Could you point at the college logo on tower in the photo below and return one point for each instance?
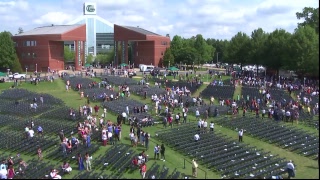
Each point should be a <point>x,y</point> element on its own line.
<point>89,9</point>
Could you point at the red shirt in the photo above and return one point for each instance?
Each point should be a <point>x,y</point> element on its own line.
<point>143,168</point>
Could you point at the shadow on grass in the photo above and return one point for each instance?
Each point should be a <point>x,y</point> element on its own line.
<point>141,148</point>
<point>312,167</point>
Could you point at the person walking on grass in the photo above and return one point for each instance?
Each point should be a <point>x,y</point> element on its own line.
<point>211,126</point>
<point>39,152</point>
<point>143,170</point>
<point>88,161</point>
<point>80,162</point>
<point>290,169</point>
<point>240,135</point>
<point>11,172</point>
<point>146,139</point>
<point>162,151</point>
<point>156,152</point>
<point>194,168</point>
<point>169,120</point>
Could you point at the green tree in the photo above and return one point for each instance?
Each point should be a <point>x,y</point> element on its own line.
<point>176,45</point>
<point>168,59</point>
<point>277,54</point>
<point>102,58</point>
<point>188,55</point>
<point>89,59</point>
<point>305,51</point>
<point>68,54</point>
<point>205,51</point>
<point>20,30</point>
<point>237,51</point>
<point>8,56</point>
<point>310,16</point>
<point>110,57</point>
<point>105,58</point>
<point>221,50</point>
<point>218,46</point>
<point>257,47</point>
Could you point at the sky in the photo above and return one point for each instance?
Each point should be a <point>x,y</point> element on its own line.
<point>218,19</point>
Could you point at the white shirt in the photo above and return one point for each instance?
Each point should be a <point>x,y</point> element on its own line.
<point>194,100</point>
<point>197,113</point>
<point>205,124</point>
<point>288,113</point>
<point>31,133</point>
<point>290,166</point>
<point>109,134</point>
<point>211,125</point>
<point>3,173</point>
<point>53,174</point>
<point>124,115</point>
<point>131,135</point>
<point>240,133</point>
<point>104,137</point>
<point>196,137</point>
<point>199,123</point>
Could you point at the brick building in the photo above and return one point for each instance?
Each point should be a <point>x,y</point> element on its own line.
<point>146,47</point>
<point>42,49</point>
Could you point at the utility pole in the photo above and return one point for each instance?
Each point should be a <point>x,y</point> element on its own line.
<point>218,57</point>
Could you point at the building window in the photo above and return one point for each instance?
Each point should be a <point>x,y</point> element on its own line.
<point>30,43</point>
<point>137,53</point>
<point>163,42</point>
<point>22,55</point>
<point>33,43</point>
<point>29,54</point>
<point>34,55</point>
<point>105,46</point>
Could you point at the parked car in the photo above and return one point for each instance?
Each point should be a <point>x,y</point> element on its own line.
<point>17,76</point>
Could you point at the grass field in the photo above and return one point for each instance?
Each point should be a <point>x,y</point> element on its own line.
<point>307,168</point>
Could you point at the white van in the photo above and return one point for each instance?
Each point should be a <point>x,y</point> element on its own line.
<point>146,68</point>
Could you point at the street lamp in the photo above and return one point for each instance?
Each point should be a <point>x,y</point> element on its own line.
<point>304,82</point>
<point>36,68</point>
<point>169,64</point>
<point>129,65</point>
<point>218,57</point>
<point>26,74</point>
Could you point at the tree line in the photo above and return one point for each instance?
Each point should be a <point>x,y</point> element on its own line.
<point>297,51</point>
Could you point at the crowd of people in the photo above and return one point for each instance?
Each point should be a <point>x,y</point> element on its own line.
<point>165,103</point>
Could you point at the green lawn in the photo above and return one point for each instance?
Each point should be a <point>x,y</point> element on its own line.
<point>307,168</point>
